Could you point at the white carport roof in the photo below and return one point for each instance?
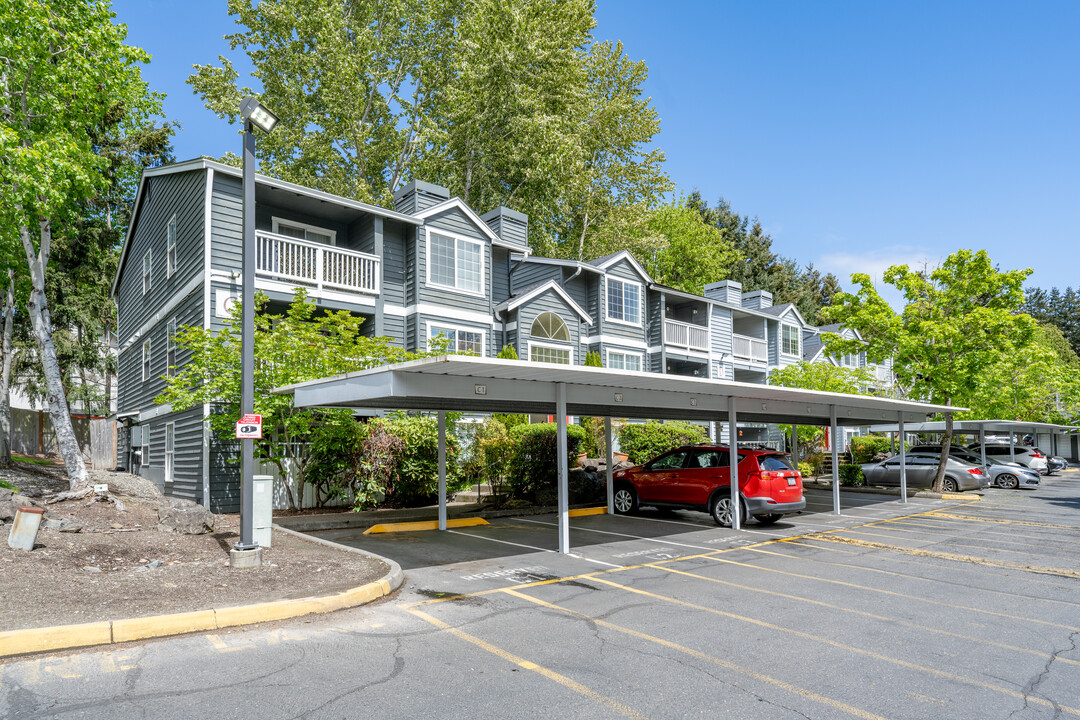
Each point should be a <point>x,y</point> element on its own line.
<point>462,383</point>
<point>974,426</point>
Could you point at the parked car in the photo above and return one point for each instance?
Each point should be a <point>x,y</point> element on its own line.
<point>1027,456</point>
<point>1055,464</point>
<point>921,469</point>
<point>1011,475</point>
<point>699,477</point>
<point>957,451</point>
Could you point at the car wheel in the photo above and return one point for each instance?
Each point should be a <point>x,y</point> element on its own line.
<point>721,511</point>
<point>626,501</point>
<point>1007,481</point>
<point>949,485</point>
<point>768,519</point>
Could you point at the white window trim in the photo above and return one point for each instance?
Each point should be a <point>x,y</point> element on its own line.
<point>624,353</point>
<point>147,359</point>
<point>276,222</point>
<point>641,302</point>
<point>565,324</point>
<point>148,274</point>
<point>455,237</point>
<point>428,324</point>
<point>170,247</point>
<point>568,347</point>
<point>170,467</point>
<point>798,340</point>
<point>170,345</point>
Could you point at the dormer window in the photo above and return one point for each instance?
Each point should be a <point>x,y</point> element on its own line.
<point>623,301</point>
<point>789,340</point>
<point>455,262</point>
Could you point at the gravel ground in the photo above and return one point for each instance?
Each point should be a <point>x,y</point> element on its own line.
<point>120,565</point>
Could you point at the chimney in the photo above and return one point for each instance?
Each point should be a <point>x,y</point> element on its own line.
<point>726,291</point>
<point>417,196</point>
<point>510,225</point>
<point>757,299</point>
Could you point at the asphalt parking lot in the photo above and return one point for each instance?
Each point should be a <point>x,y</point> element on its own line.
<point>934,609</point>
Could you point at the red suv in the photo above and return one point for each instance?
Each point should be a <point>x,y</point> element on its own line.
<point>699,477</point>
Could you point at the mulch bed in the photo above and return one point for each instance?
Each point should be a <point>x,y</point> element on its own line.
<point>103,572</point>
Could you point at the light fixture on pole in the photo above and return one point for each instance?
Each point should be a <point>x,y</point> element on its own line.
<point>246,552</point>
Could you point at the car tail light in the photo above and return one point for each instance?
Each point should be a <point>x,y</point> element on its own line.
<point>1037,455</point>
<point>766,476</point>
<point>975,471</point>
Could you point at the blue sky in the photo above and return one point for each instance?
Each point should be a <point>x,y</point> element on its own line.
<point>861,134</point>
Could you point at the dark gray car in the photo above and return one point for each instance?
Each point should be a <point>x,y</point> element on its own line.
<point>998,472</point>
<point>921,470</point>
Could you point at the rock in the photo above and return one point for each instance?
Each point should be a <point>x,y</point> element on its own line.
<point>32,492</point>
<point>91,569</point>
<point>7,510</point>
<point>5,494</point>
<point>186,517</point>
<point>116,526</point>
<point>69,526</point>
<point>150,566</point>
<point>120,507</point>
<point>623,465</point>
<point>24,499</point>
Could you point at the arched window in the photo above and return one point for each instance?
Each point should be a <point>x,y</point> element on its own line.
<point>549,326</point>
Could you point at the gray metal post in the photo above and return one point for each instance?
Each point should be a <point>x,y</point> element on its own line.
<point>1012,446</point>
<point>442,469</point>
<point>835,461</point>
<point>733,464</point>
<point>795,446</point>
<point>982,442</point>
<point>903,462</point>
<point>610,470</point>
<point>247,343</point>
<point>564,470</point>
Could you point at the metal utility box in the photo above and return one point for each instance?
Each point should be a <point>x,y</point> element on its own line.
<point>262,514</point>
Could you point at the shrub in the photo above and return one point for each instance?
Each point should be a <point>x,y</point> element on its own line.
<point>644,442</point>
<point>851,475</point>
<point>494,449</point>
<point>376,466</point>
<point>334,445</point>
<point>533,465</point>
<point>417,478</point>
<point>806,469</point>
<point>593,359</point>
<point>864,448</point>
<point>8,486</point>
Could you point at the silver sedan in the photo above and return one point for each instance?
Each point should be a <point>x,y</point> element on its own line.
<point>1011,475</point>
<point>921,469</point>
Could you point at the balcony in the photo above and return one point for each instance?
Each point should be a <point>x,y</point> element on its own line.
<point>685,335</point>
<point>750,349</point>
<point>314,265</point>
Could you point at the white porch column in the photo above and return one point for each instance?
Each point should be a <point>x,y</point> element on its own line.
<point>442,469</point>
<point>610,470</point>
<point>834,430</point>
<point>564,470</point>
<point>733,464</point>
<point>903,462</point>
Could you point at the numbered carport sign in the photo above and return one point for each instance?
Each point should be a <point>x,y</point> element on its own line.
<point>249,427</point>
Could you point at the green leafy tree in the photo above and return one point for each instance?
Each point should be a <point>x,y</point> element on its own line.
<point>823,376</point>
<point>302,344</point>
<point>64,69</point>
<point>593,359</point>
<point>958,321</point>
<point>1060,309</point>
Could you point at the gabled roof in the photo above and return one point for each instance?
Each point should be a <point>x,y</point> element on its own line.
<point>608,260</point>
<point>838,329</point>
<point>526,294</point>
<point>560,262</point>
<point>459,204</point>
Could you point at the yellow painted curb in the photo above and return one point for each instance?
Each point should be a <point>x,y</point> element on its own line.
<point>17,642</point>
<point>161,625</point>
<point>588,511</point>
<point>959,496</point>
<point>423,525</point>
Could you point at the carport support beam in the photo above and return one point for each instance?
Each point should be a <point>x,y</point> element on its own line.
<point>903,461</point>
<point>795,446</point>
<point>982,442</point>
<point>733,464</point>
<point>564,470</point>
<point>442,469</point>
<point>835,461</point>
<point>609,460</point>
<point>1012,446</point>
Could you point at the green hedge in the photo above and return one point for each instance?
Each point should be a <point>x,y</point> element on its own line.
<point>851,475</point>
<point>533,465</point>
<point>417,481</point>
<point>644,442</point>
<point>864,448</point>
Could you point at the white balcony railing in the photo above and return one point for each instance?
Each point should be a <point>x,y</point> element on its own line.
<point>315,265</point>
<point>686,335</point>
<point>751,349</point>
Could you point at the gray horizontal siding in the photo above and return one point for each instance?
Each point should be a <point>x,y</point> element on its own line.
<point>456,222</point>
<point>226,224</point>
<point>549,302</point>
<point>619,329</point>
<point>395,277</point>
<point>186,482</point>
<point>529,274</point>
<point>500,274</point>
<point>133,393</point>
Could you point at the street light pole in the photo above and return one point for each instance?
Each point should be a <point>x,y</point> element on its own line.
<point>246,552</point>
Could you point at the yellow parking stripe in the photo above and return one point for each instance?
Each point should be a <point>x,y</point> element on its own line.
<point>727,665</point>
<point>1002,521</point>
<point>932,601</point>
<point>920,552</point>
<point>527,665</point>
<point>872,616</point>
<point>850,648</point>
<point>940,528</point>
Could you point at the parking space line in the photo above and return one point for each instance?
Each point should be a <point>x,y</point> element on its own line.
<point>883,618</point>
<point>941,528</point>
<point>937,602</point>
<point>1003,521</point>
<point>528,665</point>
<point>609,532</point>
<point>805,558</point>
<point>1041,570</point>
<point>973,682</point>
<point>1026,551</point>
<point>726,664</point>
<point>503,542</point>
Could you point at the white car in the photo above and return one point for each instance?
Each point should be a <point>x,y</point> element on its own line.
<point>1025,455</point>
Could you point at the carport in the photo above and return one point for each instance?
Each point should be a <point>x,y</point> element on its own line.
<point>979,429</point>
<point>488,385</point>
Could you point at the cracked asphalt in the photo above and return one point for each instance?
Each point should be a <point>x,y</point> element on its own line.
<point>934,609</point>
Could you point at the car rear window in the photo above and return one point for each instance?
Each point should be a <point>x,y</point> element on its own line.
<point>773,462</point>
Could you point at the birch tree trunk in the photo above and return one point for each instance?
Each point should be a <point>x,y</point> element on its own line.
<point>38,311</point>
<point>5,372</point>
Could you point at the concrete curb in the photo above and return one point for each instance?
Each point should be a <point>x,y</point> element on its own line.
<point>109,632</point>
